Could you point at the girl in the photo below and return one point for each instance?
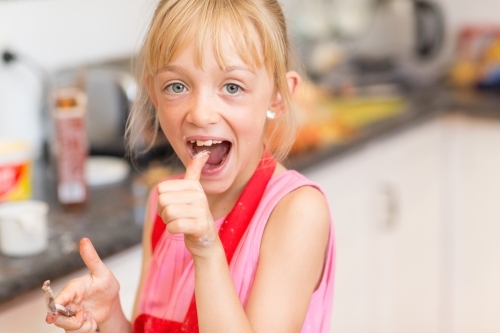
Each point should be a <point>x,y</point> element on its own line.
<point>238,243</point>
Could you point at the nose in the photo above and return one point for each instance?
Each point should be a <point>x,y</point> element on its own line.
<point>203,110</point>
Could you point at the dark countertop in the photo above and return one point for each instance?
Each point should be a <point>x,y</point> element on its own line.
<point>112,217</point>
<point>423,105</point>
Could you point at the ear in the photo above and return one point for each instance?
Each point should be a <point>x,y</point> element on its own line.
<point>277,104</point>
<point>151,92</point>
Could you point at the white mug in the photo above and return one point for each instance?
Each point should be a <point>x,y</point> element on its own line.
<point>23,227</point>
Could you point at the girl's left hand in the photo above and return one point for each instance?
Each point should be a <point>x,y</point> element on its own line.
<point>94,296</point>
<point>183,206</point>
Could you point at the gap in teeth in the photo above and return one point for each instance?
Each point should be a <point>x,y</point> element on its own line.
<point>206,143</point>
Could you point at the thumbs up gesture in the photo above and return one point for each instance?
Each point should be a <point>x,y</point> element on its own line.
<point>183,206</point>
<point>93,296</point>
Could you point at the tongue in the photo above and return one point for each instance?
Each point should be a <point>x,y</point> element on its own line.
<point>217,152</point>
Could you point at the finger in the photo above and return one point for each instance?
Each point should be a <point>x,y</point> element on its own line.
<point>89,325</point>
<point>187,227</point>
<point>193,170</point>
<point>173,212</point>
<point>51,318</point>
<point>91,258</point>
<point>186,197</point>
<point>72,323</point>
<point>71,293</point>
<point>177,185</point>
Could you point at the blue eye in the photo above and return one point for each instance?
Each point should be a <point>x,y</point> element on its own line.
<point>176,88</point>
<point>232,88</point>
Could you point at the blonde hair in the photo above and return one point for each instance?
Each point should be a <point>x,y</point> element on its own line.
<point>177,23</point>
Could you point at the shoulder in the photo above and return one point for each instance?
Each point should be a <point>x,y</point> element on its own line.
<point>302,212</point>
<point>305,206</point>
<point>295,242</point>
<point>299,195</point>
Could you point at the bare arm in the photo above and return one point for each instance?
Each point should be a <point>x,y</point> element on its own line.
<point>290,267</point>
<point>291,260</point>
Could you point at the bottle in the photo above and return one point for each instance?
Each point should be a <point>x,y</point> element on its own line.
<point>70,146</point>
<point>21,101</point>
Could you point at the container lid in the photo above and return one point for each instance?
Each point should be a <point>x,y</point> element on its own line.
<point>13,209</point>
<point>14,151</point>
<point>105,170</point>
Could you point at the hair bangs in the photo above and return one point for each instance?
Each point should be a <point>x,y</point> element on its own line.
<point>171,33</point>
<point>216,23</point>
<point>243,37</point>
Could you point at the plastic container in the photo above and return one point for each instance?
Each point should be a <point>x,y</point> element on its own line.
<point>21,104</point>
<point>16,160</point>
<point>71,146</point>
<point>23,228</point>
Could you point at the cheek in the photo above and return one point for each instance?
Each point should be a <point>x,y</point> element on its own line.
<point>170,123</point>
<point>252,131</point>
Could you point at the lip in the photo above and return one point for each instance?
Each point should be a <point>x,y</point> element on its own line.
<point>206,171</point>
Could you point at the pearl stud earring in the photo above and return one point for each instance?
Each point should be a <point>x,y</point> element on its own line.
<point>270,114</point>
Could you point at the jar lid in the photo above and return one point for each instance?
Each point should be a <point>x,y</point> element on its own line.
<point>14,151</point>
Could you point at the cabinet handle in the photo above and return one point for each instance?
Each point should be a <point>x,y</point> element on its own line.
<point>391,206</point>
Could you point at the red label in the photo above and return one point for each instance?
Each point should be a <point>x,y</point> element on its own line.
<point>9,176</point>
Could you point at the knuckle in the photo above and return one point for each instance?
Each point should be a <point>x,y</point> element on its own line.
<point>169,211</point>
<point>183,226</point>
<point>163,187</point>
<point>198,196</point>
<point>175,227</point>
<point>195,184</point>
<point>162,200</point>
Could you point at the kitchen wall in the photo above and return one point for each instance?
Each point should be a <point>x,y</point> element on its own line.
<point>65,33</point>
<point>463,12</point>
<point>61,34</point>
<point>459,13</point>
<point>471,11</point>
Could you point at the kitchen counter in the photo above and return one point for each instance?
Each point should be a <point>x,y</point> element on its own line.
<point>112,217</point>
<point>423,105</point>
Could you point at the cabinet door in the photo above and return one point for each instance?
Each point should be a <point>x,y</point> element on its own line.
<point>406,214</point>
<point>126,267</point>
<point>476,225</point>
<point>345,184</point>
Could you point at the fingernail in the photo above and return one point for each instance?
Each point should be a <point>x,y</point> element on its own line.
<point>85,316</point>
<point>201,154</point>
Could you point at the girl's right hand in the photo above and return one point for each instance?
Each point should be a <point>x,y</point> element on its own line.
<point>94,297</point>
<point>183,207</point>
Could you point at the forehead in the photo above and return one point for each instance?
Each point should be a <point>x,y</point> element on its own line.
<point>223,36</point>
<point>226,56</point>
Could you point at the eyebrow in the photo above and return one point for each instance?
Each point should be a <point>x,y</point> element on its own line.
<point>179,69</point>
<point>172,68</point>
<point>238,68</point>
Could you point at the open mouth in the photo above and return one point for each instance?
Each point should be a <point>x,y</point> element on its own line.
<point>219,150</point>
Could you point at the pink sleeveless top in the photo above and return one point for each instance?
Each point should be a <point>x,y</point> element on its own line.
<point>169,284</point>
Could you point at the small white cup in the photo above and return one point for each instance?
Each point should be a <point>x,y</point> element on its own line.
<point>23,227</point>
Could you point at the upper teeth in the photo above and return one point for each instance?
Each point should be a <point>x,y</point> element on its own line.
<point>205,143</point>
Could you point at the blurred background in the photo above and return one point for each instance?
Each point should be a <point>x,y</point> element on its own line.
<point>400,124</point>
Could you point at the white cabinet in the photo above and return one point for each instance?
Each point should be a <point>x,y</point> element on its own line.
<point>345,185</point>
<point>406,180</point>
<point>26,314</point>
<point>386,202</point>
<point>475,224</point>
